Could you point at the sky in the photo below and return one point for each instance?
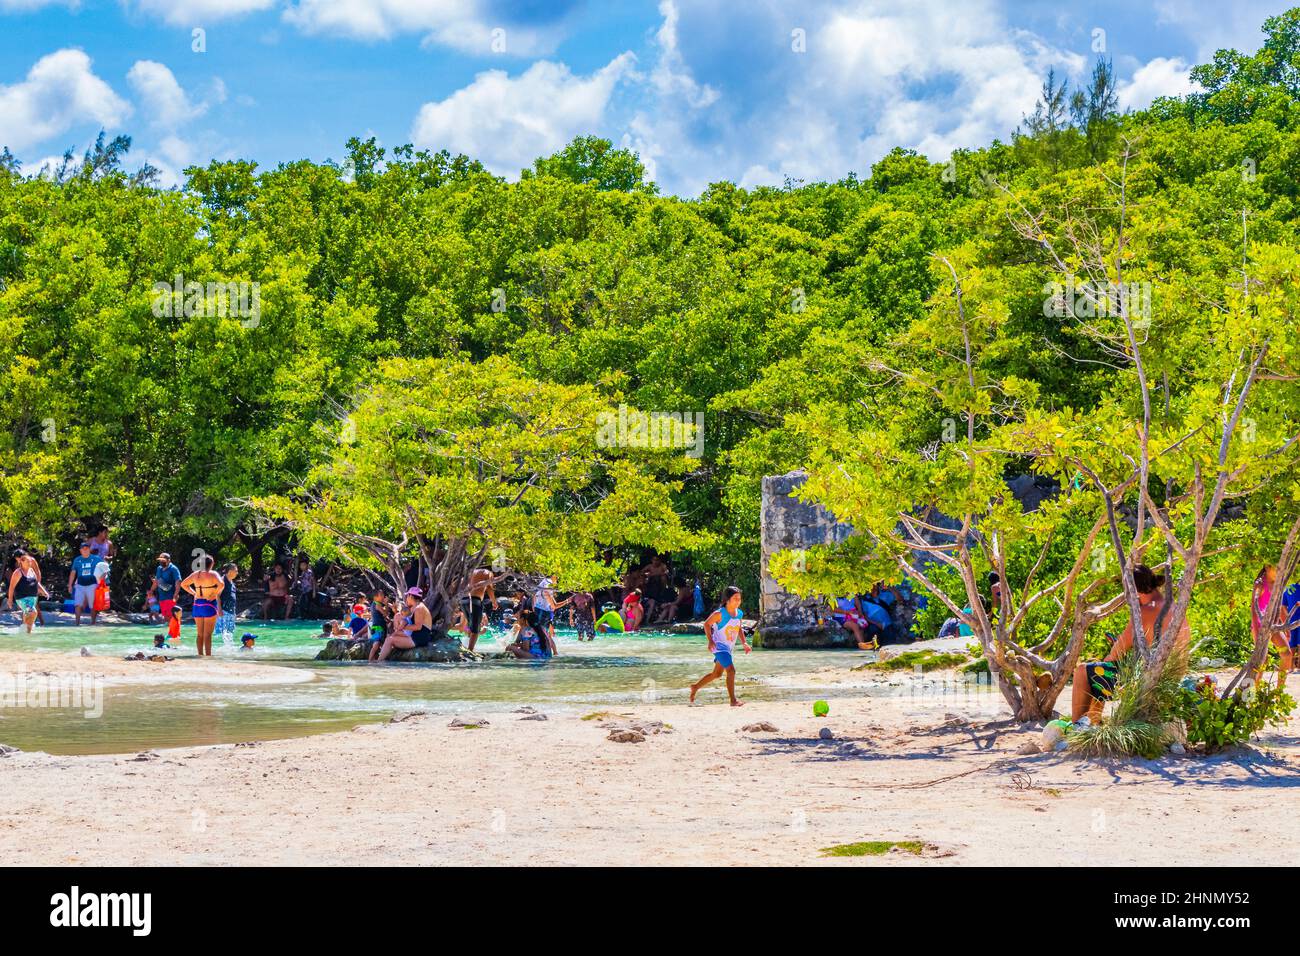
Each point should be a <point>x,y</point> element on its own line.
<point>751,91</point>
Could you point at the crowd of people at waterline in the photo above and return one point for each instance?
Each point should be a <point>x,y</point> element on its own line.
<point>526,619</point>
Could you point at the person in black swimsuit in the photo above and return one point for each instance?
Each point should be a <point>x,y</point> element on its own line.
<point>205,586</point>
<point>25,588</point>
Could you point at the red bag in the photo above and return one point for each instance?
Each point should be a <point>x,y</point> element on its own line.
<point>101,597</point>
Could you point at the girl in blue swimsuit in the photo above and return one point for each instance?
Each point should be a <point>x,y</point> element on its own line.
<point>724,629</point>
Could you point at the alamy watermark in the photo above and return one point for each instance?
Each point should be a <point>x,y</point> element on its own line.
<point>1091,300</point>
<point>629,428</point>
<point>240,300</point>
<point>67,691</point>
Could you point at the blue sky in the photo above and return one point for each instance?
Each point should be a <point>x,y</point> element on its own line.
<point>705,90</point>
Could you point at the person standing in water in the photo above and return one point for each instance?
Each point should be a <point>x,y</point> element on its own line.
<point>82,583</point>
<point>724,629</point>
<point>25,588</point>
<point>480,587</point>
<point>205,586</point>
<point>165,578</point>
<point>1261,595</point>
<point>226,622</point>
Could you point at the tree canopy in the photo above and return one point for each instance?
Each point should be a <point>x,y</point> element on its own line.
<point>776,312</point>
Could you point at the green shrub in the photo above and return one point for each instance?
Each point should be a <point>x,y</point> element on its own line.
<point>1135,725</point>
<point>1224,721</point>
<point>1219,633</point>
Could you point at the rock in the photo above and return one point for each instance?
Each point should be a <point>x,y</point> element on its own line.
<point>85,652</point>
<point>697,627</point>
<point>526,709</point>
<point>6,750</point>
<point>801,636</point>
<point>1028,747</point>
<point>826,734</point>
<point>762,727</point>
<point>448,650</point>
<point>639,728</point>
<point>1177,749</point>
<point>1053,739</point>
<point>1175,732</point>
<point>626,735</point>
<point>407,715</point>
<point>534,717</point>
<point>469,723</point>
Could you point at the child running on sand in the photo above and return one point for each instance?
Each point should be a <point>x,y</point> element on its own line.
<point>724,629</point>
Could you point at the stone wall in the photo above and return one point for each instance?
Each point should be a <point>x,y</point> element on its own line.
<point>786,620</point>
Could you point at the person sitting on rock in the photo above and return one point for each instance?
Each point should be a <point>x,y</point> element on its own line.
<point>847,613</point>
<point>531,640</point>
<point>415,630</point>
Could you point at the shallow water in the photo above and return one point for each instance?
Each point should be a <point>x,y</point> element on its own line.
<point>612,671</point>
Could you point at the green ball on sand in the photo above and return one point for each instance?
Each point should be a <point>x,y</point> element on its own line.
<point>821,708</point>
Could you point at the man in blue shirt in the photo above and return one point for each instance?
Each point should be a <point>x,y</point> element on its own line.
<point>82,583</point>
<point>165,579</point>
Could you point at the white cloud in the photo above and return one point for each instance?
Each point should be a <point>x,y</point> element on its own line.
<point>929,75</point>
<point>670,75</point>
<point>462,24</point>
<point>60,91</point>
<point>508,122</point>
<point>196,13</point>
<point>26,6</point>
<point>163,102</point>
<point>1215,26</point>
<point>1163,76</point>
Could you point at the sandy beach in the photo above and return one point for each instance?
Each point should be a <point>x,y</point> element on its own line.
<point>515,789</point>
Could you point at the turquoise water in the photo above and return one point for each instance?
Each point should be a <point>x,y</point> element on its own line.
<point>612,671</point>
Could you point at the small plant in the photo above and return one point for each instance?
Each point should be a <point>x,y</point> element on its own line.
<point>1226,721</point>
<point>874,848</point>
<point>1135,726</point>
<point>927,660</point>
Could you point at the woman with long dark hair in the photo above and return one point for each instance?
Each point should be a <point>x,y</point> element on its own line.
<point>1261,595</point>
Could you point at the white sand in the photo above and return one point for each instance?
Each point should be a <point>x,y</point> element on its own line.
<point>558,792</point>
<point>115,670</point>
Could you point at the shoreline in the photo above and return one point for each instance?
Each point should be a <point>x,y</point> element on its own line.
<point>516,787</point>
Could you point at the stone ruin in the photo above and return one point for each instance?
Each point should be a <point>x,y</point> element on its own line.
<point>787,620</point>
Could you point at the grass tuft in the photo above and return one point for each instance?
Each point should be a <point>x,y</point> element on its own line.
<point>874,848</point>
<point>927,660</point>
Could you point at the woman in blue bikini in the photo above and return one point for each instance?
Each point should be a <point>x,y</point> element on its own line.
<point>205,586</point>
<point>724,629</point>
